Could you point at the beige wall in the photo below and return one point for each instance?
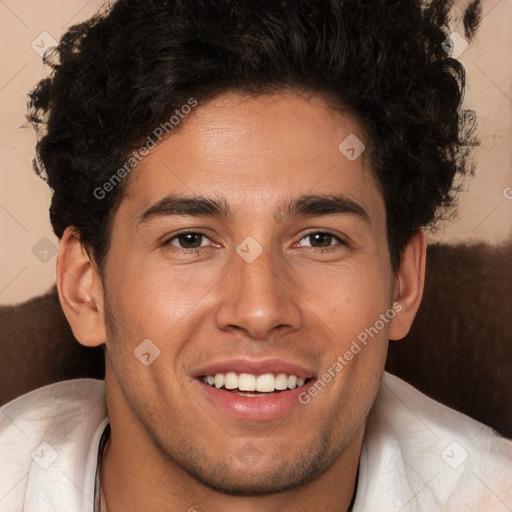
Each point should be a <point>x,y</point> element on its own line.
<point>28,246</point>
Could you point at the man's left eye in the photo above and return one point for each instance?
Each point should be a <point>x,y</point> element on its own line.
<point>189,240</point>
<point>320,240</point>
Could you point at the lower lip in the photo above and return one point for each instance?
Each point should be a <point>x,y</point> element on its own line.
<point>260,407</point>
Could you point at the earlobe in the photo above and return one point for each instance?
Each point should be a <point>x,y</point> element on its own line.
<point>80,290</point>
<point>409,283</point>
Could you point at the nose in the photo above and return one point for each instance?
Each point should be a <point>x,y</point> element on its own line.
<point>259,299</point>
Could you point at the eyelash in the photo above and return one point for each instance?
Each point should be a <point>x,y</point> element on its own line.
<point>194,250</point>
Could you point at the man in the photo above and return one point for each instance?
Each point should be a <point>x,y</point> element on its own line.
<point>240,189</point>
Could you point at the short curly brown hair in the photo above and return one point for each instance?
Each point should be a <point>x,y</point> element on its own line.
<point>123,72</point>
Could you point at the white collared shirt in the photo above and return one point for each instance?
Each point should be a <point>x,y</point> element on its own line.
<point>417,456</point>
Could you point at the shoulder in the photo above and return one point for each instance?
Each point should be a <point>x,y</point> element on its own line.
<point>422,455</point>
<point>76,389</point>
<point>42,435</point>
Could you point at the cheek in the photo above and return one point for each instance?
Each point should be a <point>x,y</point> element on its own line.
<point>349,300</point>
<point>353,313</point>
<point>151,298</point>
<point>355,354</point>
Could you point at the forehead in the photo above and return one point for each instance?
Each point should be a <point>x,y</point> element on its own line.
<point>257,152</point>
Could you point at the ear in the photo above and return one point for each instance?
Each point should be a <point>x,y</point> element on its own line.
<point>409,283</point>
<point>80,290</point>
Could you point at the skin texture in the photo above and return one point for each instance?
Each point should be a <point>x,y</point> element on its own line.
<point>171,448</point>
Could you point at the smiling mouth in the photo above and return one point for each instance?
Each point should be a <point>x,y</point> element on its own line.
<point>247,384</point>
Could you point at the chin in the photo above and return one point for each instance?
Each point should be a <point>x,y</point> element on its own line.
<point>249,473</point>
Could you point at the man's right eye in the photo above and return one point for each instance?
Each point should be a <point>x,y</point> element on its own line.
<point>188,240</point>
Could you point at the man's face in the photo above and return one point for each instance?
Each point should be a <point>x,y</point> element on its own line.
<point>280,278</point>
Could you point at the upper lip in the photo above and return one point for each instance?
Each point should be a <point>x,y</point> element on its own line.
<point>254,367</point>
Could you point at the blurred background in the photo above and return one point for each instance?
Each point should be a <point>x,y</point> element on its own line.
<point>28,246</point>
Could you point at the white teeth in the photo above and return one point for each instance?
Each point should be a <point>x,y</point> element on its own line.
<point>246,382</point>
<point>218,379</point>
<point>292,381</point>
<point>281,381</point>
<point>231,380</point>
<point>266,383</point>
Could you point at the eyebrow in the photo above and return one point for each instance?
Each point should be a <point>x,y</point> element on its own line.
<point>304,206</point>
<point>323,205</point>
<point>193,206</point>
